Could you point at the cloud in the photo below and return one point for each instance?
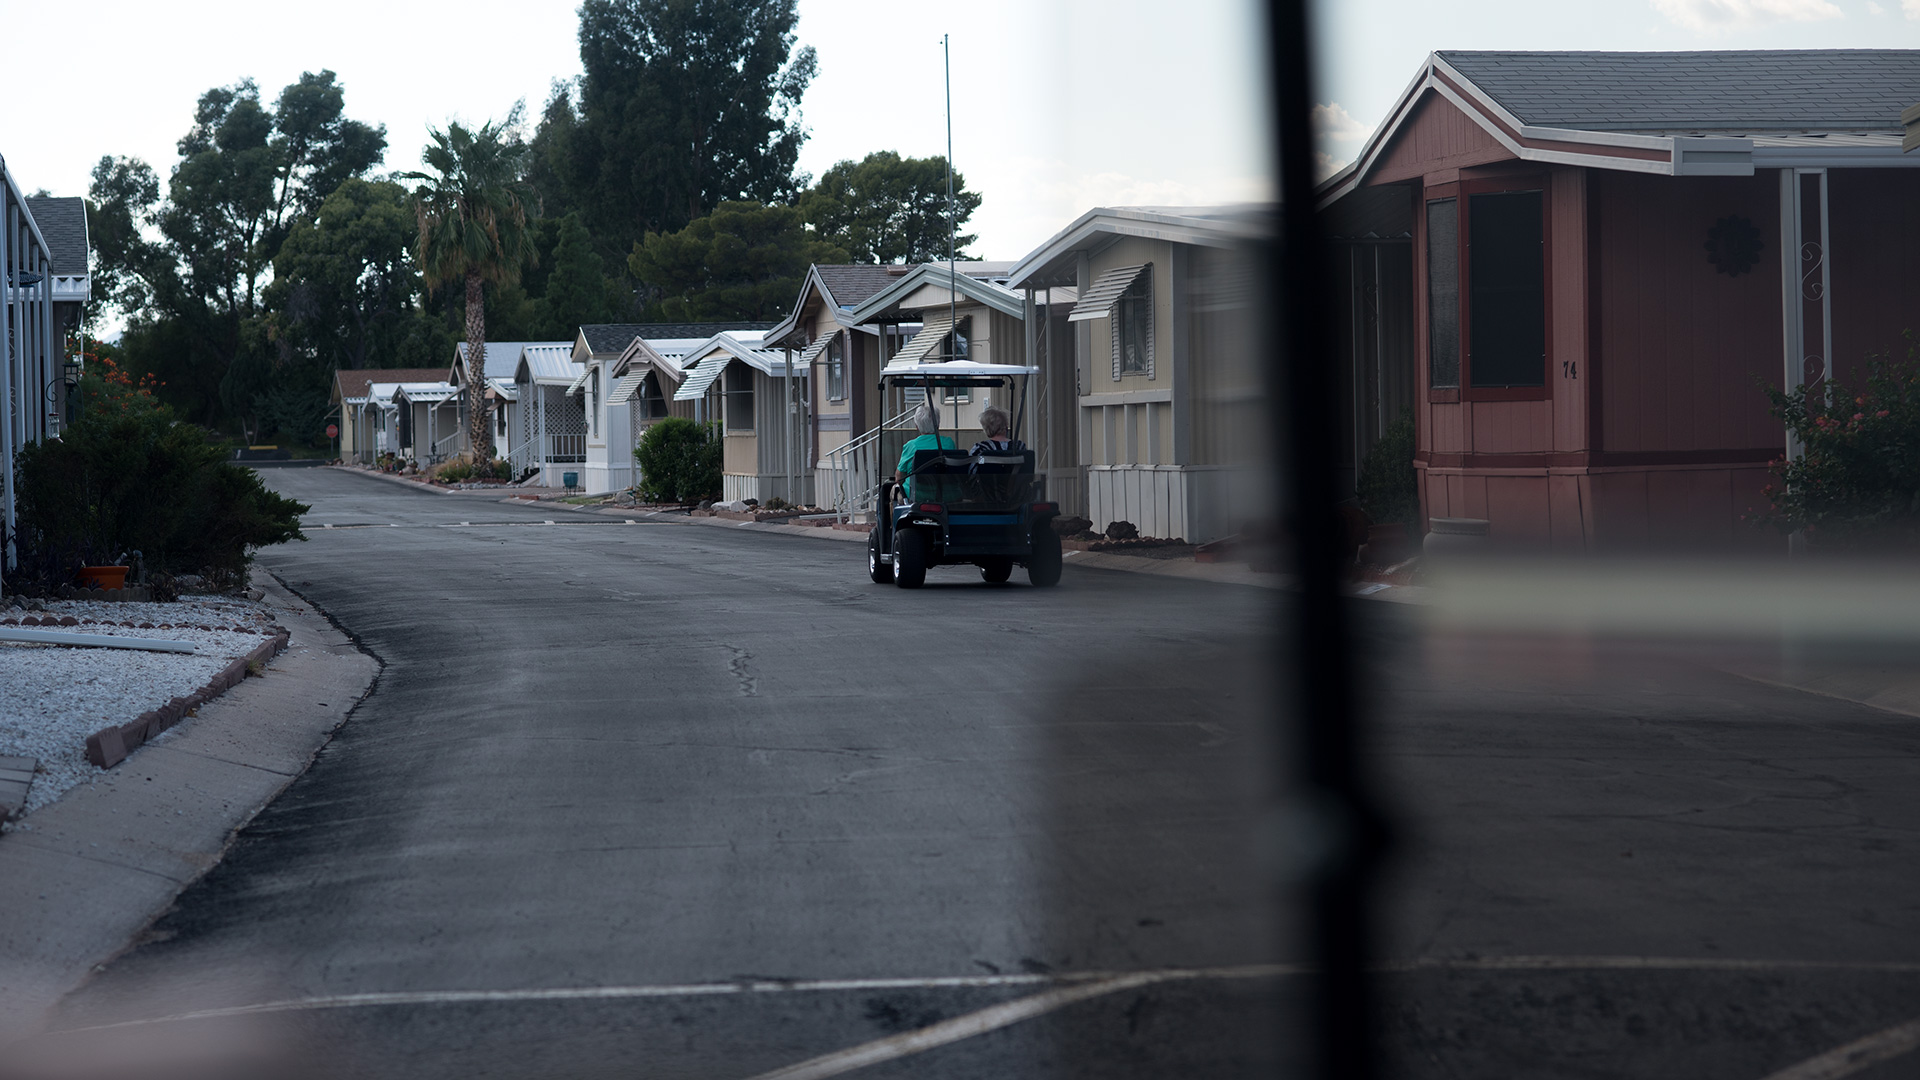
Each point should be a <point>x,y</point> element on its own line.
<point>1911,7</point>
<point>1333,123</point>
<point>1325,165</point>
<point>1875,9</point>
<point>1713,16</point>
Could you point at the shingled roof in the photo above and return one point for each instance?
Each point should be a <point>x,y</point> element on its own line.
<point>615,337</point>
<point>850,283</point>
<point>63,221</point>
<point>355,382</point>
<point>1731,92</point>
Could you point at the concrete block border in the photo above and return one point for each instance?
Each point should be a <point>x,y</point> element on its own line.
<point>110,745</point>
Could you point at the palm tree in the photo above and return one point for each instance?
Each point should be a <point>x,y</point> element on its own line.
<point>472,210</point>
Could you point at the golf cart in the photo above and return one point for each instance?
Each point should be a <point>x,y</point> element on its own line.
<point>951,506</point>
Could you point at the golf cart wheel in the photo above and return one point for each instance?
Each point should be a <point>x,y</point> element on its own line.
<point>910,558</point>
<point>881,573</point>
<point>1043,566</point>
<point>995,571</point>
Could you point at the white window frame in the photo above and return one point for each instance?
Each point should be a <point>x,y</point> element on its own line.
<point>1139,296</point>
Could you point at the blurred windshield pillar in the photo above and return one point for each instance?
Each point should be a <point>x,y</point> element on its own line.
<point>1332,825</point>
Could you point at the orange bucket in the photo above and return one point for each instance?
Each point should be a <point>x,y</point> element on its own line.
<point>104,577</point>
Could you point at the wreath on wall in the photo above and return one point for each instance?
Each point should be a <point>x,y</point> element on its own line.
<point>1734,245</point>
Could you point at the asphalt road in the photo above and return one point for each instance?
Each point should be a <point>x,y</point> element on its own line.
<point>665,800</point>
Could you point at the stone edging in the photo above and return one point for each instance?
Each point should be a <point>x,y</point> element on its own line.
<point>110,745</point>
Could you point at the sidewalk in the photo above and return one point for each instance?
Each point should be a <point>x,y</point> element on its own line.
<point>90,871</point>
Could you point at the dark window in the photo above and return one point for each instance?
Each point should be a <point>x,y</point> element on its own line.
<point>836,371</point>
<point>1507,308</point>
<point>739,397</point>
<point>959,346</point>
<point>1443,294</point>
<point>655,401</point>
<point>1133,327</point>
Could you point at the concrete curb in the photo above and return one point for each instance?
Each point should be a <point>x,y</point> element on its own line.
<point>81,878</point>
<point>388,478</point>
<point>110,745</point>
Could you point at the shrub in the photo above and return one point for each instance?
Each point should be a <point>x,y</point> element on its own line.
<point>1855,483</point>
<point>127,477</point>
<point>1389,489</point>
<point>679,461</point>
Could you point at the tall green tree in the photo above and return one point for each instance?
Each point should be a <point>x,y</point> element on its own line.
<point>198,260</point>
<point>471,209</point>
<point>684,104</point>
<point>889,209</point>
<point>345,288</point>
<point>743,261</point>
<point>576,289</point>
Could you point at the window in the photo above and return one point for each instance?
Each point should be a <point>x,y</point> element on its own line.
<point>1506,279</point>
<point>1487,293</point>
<point>500,414</point>
<point>739,397</point>
<point>1133,328</point>
<point>654,402</point>
<point>593,403</point>
<point>1443,294</point>
<point>836,371</point>
<point>958,346</point>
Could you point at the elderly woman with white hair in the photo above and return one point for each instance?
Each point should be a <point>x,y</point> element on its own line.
<point>928,439</point>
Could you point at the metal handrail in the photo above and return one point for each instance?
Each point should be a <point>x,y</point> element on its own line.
<point>855,469</point>
<point>440,446</point>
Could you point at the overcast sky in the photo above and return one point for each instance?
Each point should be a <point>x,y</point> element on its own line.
<point>1059,105</point>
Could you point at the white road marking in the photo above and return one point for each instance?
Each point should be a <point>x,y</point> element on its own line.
<point>1856,1056</point>
<point>549,521</point>
<point>620,993</point>
<point>326,526</point>
<point>988,1019</point>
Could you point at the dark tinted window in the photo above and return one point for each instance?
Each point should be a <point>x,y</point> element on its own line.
<point>1507,274</point>
<point>1443,293</point>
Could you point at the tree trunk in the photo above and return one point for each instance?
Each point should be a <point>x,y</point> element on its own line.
<point>479,417</point>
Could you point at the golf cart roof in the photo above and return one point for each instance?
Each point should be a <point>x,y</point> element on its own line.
<point>954,373</point>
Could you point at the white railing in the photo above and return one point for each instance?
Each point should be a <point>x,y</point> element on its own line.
<point>566,449</point>
<point>443,448</point>
<point>856,469</point>
<point>520,459</point>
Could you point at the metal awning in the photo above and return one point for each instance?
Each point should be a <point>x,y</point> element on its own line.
<point>574,386</point>
<point>701,377</point>
<point>932,332</point>
<point>1097,302</point>
<point>813,351</point>
<point>628,386</point>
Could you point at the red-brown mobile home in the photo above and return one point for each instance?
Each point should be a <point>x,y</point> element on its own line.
<point>1577,270</point>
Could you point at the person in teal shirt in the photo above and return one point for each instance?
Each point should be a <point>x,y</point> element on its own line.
<point>928,439</point>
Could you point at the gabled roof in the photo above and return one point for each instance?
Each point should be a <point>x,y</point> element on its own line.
<point>1686,93</point>
<point>547,362</point>
<point>63,221</point>
<point>1056,262</point>
<point>840,286</point>
<point>600,339</point>
<point>704,363</point>
<point>355,382</point>
<point>503,357</point>
<point>883,305</point>
<point>1668,113</point>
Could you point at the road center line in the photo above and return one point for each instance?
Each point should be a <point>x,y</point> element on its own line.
<point>1856,1056</point>
<point>1058,979</point>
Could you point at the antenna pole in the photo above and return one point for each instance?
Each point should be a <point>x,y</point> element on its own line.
<point>953,276</point>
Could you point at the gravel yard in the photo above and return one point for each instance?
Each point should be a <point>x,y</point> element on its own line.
<point>52,696</point>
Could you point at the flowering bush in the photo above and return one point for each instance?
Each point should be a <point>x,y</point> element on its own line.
<point>1855,482</point>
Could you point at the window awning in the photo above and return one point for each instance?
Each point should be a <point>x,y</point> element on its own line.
<point>813,351</point>
<point>574,386</point>
<point>932,333</point>
<point>701,377</point>
<point>628,386</point>
<point>1097,302</point>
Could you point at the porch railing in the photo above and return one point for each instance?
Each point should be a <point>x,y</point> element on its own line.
<point>854,471</point>
<point>566,449</point>
<point>445,447</point>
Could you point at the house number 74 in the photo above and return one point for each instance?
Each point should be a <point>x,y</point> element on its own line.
<point>1570,368</point>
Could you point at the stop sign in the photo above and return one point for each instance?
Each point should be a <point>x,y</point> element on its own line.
<point>333,431</point>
